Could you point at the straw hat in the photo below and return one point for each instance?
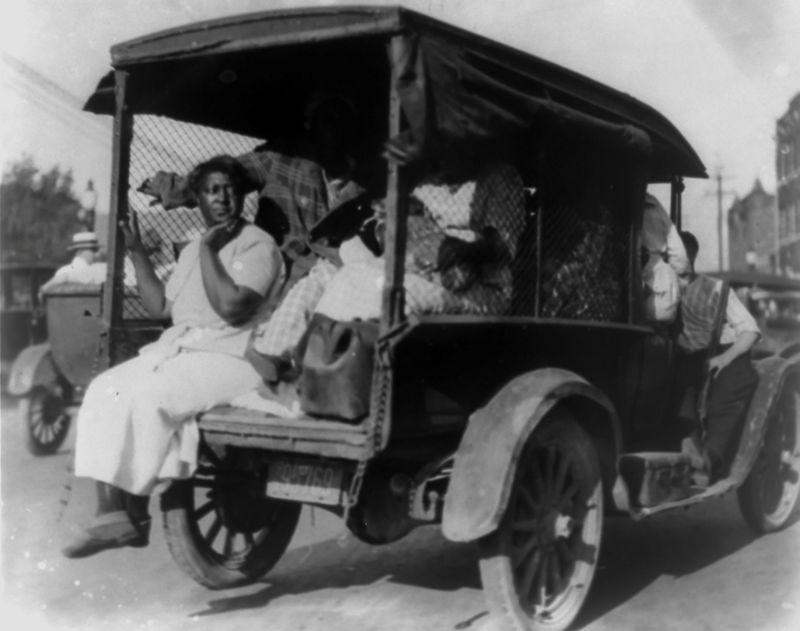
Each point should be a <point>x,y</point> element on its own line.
<point>84,241</point>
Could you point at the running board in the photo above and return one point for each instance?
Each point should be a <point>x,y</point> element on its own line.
<point>700,494</point>
<point>653,482</point>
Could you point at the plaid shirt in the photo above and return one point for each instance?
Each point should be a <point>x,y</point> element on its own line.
<point>279,334</point>
<point>297,186</point>
<point>698,312</point>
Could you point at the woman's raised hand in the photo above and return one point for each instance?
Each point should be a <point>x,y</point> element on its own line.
<point>131,233</point>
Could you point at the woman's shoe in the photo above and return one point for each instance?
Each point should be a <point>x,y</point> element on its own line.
<point>107,531</point>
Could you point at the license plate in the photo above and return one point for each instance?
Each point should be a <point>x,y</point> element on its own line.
<point>305,481</point>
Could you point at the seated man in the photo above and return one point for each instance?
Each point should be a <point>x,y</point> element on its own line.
<point>83,268</point>
<point>136,424</point>
<point>733,377</point>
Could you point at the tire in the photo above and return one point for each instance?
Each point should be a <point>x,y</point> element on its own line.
<point>537,567</point>
<point>768,496</point>
<point>221,530</point>
<point>46,420</point>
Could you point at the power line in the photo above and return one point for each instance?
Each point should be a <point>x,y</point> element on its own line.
<point>22,85</point>
<point>58,113</point>
<point>65,99</point>
<point>29,72</point>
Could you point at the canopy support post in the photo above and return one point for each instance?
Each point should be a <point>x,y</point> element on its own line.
<point>113,294</point>
<point>393,304</point>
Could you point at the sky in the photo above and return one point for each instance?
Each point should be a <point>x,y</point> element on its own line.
<point>722,71</point>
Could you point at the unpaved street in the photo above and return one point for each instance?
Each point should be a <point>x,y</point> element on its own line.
<point>697,570</point>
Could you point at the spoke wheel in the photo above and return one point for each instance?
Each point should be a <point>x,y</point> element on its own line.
<point>46,420</point>
<point>768,496</point>
<point>537,567</point>
<point>219,527</point>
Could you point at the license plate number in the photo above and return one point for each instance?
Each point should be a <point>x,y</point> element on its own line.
<point>305,482</point>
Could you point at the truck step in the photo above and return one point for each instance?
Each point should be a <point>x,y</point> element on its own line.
<point>655,477</point>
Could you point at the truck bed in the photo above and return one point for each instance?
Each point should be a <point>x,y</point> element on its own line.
<point>250,428</point>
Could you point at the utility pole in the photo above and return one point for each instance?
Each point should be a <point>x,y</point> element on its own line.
<point>720,243</point>
<point>719,193</point>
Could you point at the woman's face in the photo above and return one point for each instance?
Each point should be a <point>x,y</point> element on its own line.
<point>219,203</point>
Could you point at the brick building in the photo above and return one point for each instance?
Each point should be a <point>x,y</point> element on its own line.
<point>751,232</point>
<point>787,164</point>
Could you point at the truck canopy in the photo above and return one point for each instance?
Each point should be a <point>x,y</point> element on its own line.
<point>252,74</point>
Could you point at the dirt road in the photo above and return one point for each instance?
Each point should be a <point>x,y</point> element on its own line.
<point>695,570</point>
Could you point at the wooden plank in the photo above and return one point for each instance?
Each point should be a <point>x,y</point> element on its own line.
<point>249,428</point>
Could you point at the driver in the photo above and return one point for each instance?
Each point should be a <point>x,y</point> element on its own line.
<point>136,424</point>
<point>84,267</point>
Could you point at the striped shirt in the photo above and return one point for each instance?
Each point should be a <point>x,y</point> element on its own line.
<point>698,311</point>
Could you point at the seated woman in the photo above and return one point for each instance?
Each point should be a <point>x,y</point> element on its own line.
<point>136,424</point>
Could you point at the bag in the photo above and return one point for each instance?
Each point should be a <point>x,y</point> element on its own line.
<point>662,290</point>
<point>336,367</point>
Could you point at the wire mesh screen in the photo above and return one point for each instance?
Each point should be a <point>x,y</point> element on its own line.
<point>462,241</point>
<point>578,254</point>
<point>162,144</point>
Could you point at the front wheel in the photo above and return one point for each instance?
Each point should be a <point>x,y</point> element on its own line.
<point>537,567</point>
<point>219,527</point>
<point>46,421</point>
<point>768,496</point>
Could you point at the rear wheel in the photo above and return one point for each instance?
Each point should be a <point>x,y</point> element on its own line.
<point>537,567</point>
<point>219,527</point>
<point>46,420</point>
<point>768,496</point>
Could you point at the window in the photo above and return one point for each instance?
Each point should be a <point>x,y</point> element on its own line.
<point>796,208</point>
<point>783,159</point>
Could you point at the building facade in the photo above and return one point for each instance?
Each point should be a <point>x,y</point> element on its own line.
<point>787,165</point>
<point>752,239</point>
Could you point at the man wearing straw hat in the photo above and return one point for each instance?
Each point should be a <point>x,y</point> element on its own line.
<point>83,268</point>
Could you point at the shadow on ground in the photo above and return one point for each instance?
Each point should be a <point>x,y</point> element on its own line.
<point>634,555</point>
<point>423,559</point>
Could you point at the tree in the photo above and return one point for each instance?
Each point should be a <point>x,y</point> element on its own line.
<point>38,213</point>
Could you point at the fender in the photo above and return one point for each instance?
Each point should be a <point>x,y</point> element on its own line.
<point>772,373</point>
<point>486,460</point>
<point>789,350</point>
<point>33,367</point>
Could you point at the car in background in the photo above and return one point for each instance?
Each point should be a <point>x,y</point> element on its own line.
<point>22,320</point>
<point>775,303</point>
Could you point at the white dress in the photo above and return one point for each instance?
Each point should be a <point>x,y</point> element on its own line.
<point>136,424</point>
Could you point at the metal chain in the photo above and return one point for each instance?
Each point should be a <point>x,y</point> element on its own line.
<point>382,383</point>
